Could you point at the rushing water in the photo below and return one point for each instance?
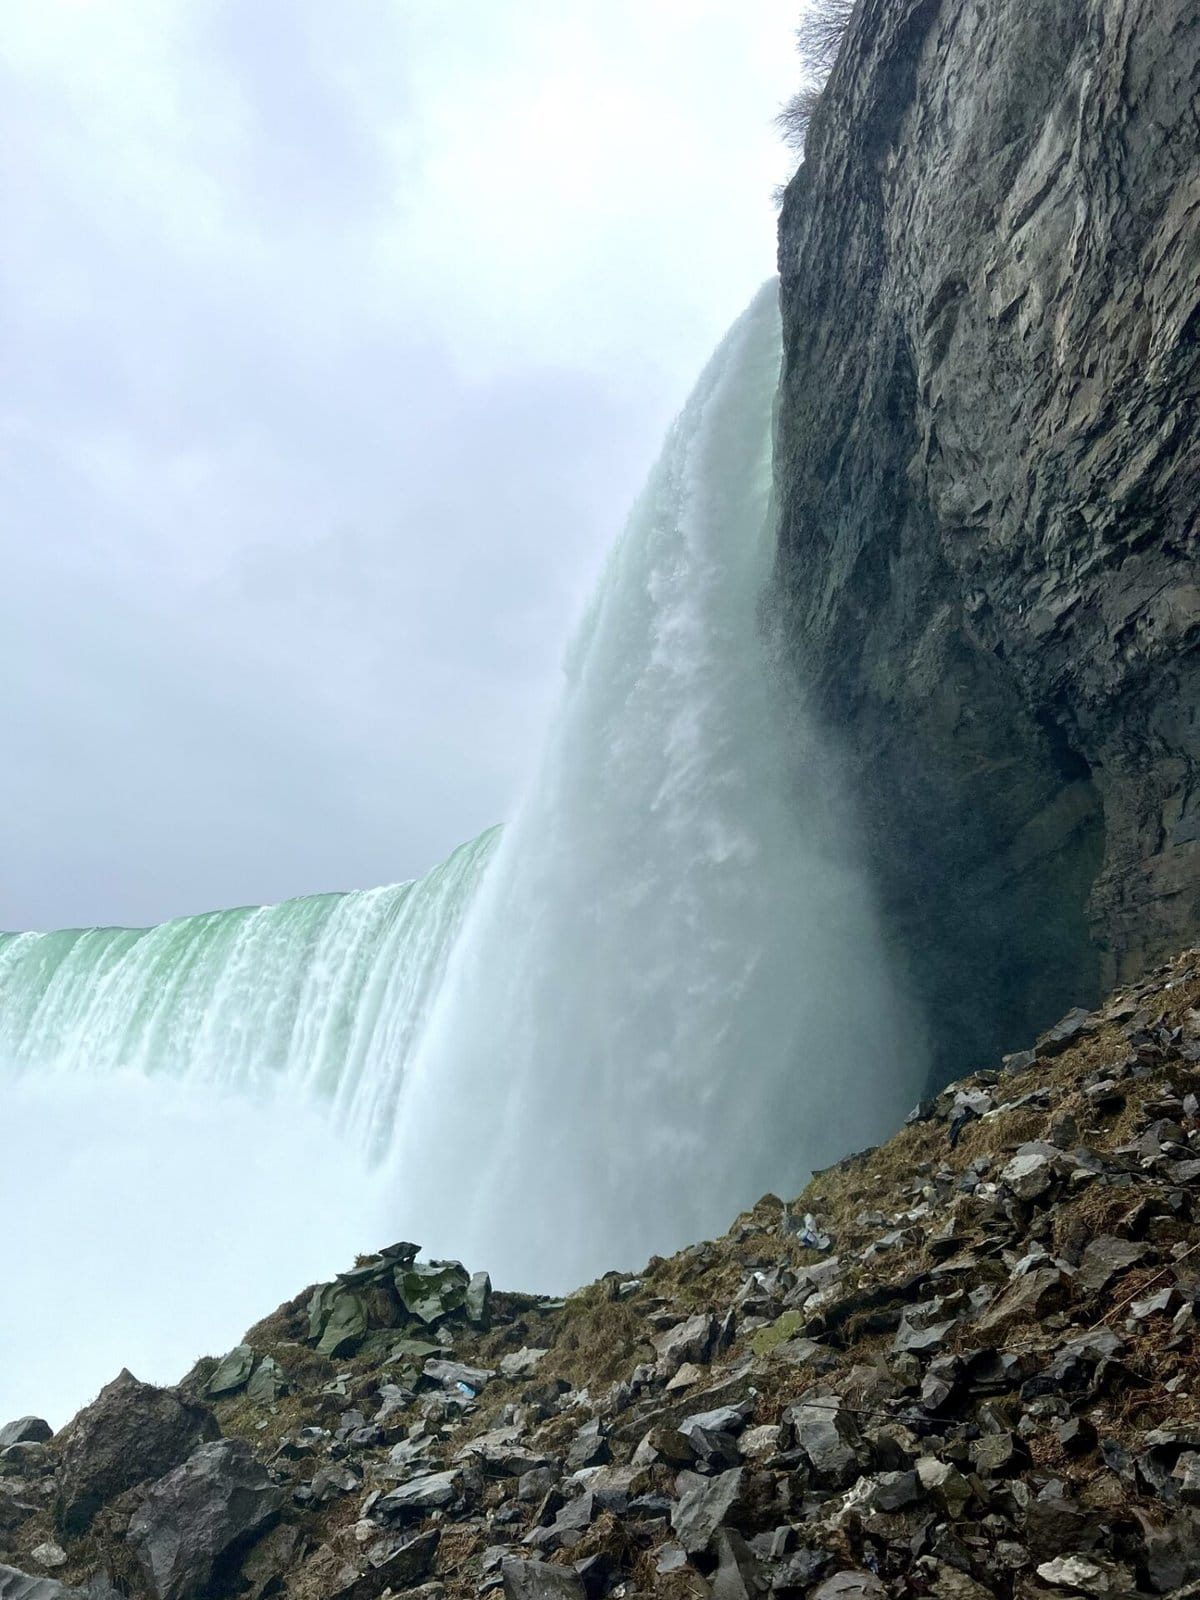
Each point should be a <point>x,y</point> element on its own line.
<point>325,994</point>
<point>658,993</point>
<point>670,993</point>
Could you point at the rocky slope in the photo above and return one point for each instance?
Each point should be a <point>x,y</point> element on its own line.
<point>961,1365</point>
<point>988,470</point>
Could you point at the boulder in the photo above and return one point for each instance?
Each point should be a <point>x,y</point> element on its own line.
<point>825,1432</point>
<point>29,1459</point>
<point>1027,1299</point>
<point>522,1363</point>
<point>16,1585</point>
<point>25,1430</point>
<point>537,1580</point>
<point>431,1290</point>
<point>267,1383</point>
<point>850,1586</point>
<point>233,1372</point>
<point>691,1341</point>
<point>337,1319</point>
<point>196,1518</point>
<point>403,1568</point>
<point>589,1448</point>
<point>130,1433</point>
<point>453,1373</point>
<point>418,1496</point>
<point>1105,1258</point>
<point>478,1300</point>
<point>1033,1170</point>
<point>704,1505</point>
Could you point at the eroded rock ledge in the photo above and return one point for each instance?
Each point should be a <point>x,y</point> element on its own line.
<point>960,1365</point>
<point>989,472</point>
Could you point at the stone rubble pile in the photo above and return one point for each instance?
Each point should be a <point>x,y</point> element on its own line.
<point>964,1365</point>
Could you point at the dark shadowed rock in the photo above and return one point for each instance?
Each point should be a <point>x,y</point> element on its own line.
<point>405,1567</point>
<point>200,1514</point>
<point>131,1432</point>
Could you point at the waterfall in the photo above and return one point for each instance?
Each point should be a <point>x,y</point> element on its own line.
<point>323,995</point>
<point>659,992</point>
<point>670,993</point>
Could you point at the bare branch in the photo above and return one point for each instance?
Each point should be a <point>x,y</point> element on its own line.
<point>818,39</point>
<point>794,117</point>
<point>819,36</point>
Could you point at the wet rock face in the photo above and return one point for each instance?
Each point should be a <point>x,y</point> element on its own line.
<point>988,471</point>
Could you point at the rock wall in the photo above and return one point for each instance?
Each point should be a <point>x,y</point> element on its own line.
<point>988,471</point>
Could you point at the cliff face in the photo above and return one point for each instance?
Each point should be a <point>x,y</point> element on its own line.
<point>988,472</point>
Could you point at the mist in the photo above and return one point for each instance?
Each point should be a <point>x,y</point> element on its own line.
<point>148,1223</point>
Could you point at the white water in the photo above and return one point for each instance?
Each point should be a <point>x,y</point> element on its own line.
<point>670,994</point>
<point>324,994</point>
<point>660,993</point>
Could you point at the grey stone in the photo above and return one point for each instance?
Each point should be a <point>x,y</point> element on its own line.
<point>1105,1259</point>
<point>25,1430</point>
<point>199,1515</point>
<point>49,1555</point>
<point>418,1496</point>
<point>233,1372</point>
<point>16,1585</point>
<point>919,1340</point>
<point>130,1433</point>
<point>537,1580</point>
<point>522,1363</point>
<point>850,1586</point>
<point>331,1480</point>
<point>14,1510</point>
<point>736,1577</point>
<point>25,1460</point>
<point>589,1447</point>
<point>825,1431</point>
<point>704,1505</point>
<point>431,1290</point>
<point>943,1480</point>
<point>267,1382</point>
<point>999,1455</point>
<point>1027,1299</point>
<point>400,1570</point>
<point>1075,1025</point>
<point>1088,1575</point>
<point>452,1373</point>
<point>477,1302</point>
<point>892,1491</point>
<point>337,1319</point>
<point>690,1341</point>
<point>501,1452</point>
<point>1032,1171</point>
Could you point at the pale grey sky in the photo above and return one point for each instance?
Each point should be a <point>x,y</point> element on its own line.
<point>335,341</point>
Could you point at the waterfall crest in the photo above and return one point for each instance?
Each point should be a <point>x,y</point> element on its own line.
<point>321,996</point>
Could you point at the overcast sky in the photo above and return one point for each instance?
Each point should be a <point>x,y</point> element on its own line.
<point>335,340</point>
